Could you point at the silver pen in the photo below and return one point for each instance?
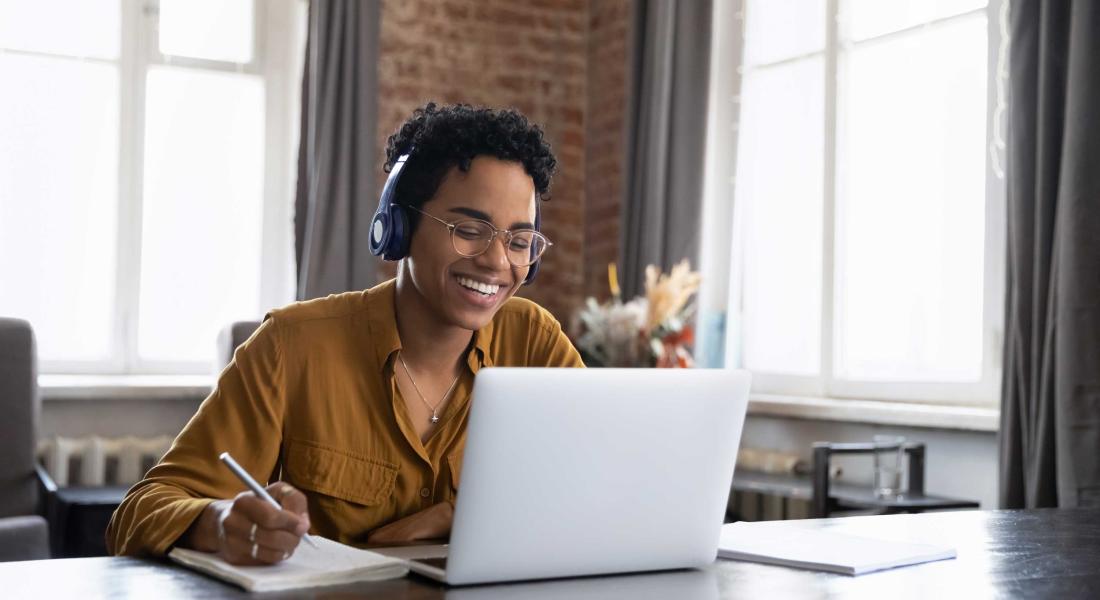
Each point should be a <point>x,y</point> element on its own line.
<point>255,487</point>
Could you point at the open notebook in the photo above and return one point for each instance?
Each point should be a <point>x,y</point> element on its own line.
<point>331,563</point>
<point>821,550</point>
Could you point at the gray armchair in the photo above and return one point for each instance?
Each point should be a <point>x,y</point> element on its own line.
<point>24,535</point>
<point>232,336</point>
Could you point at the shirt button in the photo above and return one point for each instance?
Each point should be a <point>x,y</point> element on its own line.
<point>425,492</point>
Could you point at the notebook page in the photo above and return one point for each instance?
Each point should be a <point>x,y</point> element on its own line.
<point>330,563</point>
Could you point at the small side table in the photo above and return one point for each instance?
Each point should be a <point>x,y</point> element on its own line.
<point>78,516</point>
<point>827,498</point>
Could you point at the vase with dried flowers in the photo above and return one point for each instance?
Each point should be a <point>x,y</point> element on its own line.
<point>654,330</point>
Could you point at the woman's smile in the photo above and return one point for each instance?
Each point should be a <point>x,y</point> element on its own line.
<point>481,292</point>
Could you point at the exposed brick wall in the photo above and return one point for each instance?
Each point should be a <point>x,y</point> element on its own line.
<point>609,31</point>
<point>534,55</point>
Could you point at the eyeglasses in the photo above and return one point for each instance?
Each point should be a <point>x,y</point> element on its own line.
<point>473,237</point>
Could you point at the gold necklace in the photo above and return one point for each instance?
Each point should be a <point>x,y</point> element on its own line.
<point>435,417</point>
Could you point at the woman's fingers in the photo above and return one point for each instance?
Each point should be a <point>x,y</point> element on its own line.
<point>293,501</point>
<point>255,532</point>
<point>267,516</point>
<point>240,551</point>
<point>276,539</point>
<point>289,497</point>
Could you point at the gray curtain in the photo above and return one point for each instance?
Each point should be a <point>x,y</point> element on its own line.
<point>337,163</point>
<point>663,206</point>
<point>1050,411</point>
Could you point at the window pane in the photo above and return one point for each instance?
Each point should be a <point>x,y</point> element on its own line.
<point>781,29</point>
<point>779,188</point>
<point>870,18</point>
<point>70,27</point>
<point>58,201</point>
<point>911,207</point>
<point>213,29</point>
<point>202,211</point>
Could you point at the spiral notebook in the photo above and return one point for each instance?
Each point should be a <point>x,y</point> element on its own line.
<point>821,550</point>
<point>331,563</point>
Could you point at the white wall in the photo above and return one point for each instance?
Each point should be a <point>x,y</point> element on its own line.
<point>958,463</point>
<point>109,418</point>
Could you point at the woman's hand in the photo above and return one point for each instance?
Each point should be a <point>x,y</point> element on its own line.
<point>433,522</point>
<point>248,531</point>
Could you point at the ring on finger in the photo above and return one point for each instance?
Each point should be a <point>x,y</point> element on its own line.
<point>252,533</point>
<point>255,549</point>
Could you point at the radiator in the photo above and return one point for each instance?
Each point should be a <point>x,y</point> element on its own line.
<point>99,461</point>
<point>756,506</point>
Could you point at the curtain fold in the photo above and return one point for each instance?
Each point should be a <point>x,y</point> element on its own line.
<point>670,70</point>
<point>337,166</point>
<point>1050,405</point>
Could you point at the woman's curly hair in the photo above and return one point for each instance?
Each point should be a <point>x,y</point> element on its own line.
<point>441,137</point>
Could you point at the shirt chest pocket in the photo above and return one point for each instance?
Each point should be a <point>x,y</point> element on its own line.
<point>352,478</point>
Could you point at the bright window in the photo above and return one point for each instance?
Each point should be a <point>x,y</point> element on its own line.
<point>145,175</point>
<point>867,261</point>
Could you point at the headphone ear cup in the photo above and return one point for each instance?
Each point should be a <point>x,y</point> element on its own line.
<point>389,233</point>
<point>389,228</point>
<point>379,233</point>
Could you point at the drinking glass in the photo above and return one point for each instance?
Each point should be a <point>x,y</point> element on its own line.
<point>889,462</point>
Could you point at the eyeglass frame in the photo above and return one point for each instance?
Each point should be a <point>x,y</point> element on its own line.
<point>451,226</point>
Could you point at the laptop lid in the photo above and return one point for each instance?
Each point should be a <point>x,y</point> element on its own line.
<point>571,472</point>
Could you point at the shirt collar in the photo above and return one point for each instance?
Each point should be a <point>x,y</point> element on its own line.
<point>383,322</point>
<point>483,339</point>
<point>383,330</point>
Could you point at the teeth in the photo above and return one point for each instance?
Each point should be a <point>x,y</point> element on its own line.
<point>484,288</point>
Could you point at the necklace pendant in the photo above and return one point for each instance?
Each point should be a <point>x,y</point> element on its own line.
<point>435,418</point>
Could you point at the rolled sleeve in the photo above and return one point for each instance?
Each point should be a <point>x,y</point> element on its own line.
<point>243,416</point>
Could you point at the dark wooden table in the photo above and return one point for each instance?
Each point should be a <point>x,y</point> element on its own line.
<point>1020,554</point>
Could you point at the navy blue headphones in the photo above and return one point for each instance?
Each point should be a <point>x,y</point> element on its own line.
<point>389,229</point>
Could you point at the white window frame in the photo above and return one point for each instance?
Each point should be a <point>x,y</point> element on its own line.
<point>278,34</point>
<point>726,270</point>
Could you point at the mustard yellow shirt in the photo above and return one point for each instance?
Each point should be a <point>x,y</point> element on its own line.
<point>310,399</point>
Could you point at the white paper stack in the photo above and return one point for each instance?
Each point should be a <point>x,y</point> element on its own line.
<point>779,543</point>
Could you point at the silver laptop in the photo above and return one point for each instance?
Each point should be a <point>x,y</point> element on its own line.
<point>571,472</point>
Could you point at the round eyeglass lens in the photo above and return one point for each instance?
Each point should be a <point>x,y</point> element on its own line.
<point>472,238</point>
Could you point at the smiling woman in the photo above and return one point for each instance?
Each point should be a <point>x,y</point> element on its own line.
<point>354,406</point>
